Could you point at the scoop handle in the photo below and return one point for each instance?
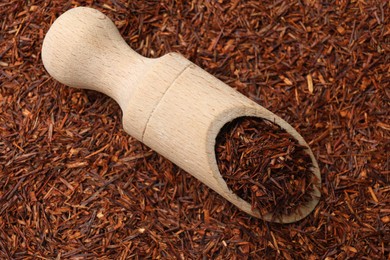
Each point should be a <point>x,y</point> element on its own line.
<point>84,49</point>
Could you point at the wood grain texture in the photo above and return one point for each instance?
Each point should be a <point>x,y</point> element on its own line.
<point>169,103</point>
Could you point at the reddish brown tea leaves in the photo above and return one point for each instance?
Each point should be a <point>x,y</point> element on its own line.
<point>264,165</point>
<point>154,210</point>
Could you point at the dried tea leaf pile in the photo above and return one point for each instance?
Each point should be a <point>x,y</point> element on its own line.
<point>74,185</point>
<point>264,165</point>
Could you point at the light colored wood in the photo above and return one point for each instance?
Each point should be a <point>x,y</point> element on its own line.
<point>169,103</point>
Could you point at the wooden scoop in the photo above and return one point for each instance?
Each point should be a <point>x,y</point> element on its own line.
<point>170,104</point>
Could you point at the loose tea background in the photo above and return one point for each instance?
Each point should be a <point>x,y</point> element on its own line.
<point>74,185</point>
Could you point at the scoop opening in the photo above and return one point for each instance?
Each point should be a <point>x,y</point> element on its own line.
<point>266,166</point>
